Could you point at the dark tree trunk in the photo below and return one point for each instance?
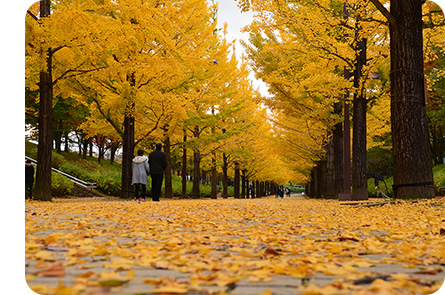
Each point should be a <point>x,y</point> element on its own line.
<point>411,150</point>
<point>196,193</point>
<point>57,137</point>
<point>321,170</point>
<point>337,141</point>
<point>44,148</point>
<point>328,169</point>
<point>315,187</point>
<point>114,147</point>
<point>257,189</point>
<point>168,193</point>
<point>90,145</point>
<point>184,168</point>
<point>437,144</point>
<point>359,179</point>
<point>225,180</point>
<point>127,157</point>
<point>85,148</point>
<point>243,184</point>
<point>67,142</point>
<point>214,192</point>
<point>237,180</point>
<point>128,144</point>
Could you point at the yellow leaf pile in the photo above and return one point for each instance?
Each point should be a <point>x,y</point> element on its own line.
<point>183,246</point>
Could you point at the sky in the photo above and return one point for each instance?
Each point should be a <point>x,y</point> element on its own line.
<point>228,12</point>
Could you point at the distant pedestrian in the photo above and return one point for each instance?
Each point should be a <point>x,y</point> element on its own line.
<point>287,192</point>
<point>141,169</point>
<point>277,191</point>
<point>252,191</point>
<point>281,192</point>
<point>158,164</point>
<point>29,179</point>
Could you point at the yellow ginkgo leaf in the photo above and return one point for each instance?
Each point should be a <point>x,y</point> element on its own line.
<point>169,290</point>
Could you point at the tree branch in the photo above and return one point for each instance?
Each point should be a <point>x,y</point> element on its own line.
<point>76,72</point>
<point>32,15</point>
<point>385,12</point>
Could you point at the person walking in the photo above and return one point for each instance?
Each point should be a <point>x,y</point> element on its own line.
<point>141,169</point>
<point>281,192</point>
<point>158,164</point>
<point>29,179</point>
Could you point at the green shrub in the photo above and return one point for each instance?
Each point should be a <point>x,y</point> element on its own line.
<point>109,183</point>
<point>57,160</point>
<point>205,191</point>
<point>439,177</point>
<point>385,186</point>
<point>72,169</point>
<point>30,149</point>
<point>60,185</point>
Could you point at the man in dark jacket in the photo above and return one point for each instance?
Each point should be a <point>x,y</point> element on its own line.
<point>158,162</point>
<point>29,178</point>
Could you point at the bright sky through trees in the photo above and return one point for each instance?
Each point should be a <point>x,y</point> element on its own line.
<point>230,13</point>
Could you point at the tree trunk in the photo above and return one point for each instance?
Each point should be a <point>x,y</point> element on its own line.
<point>413,176</point>
<point>225,180</point>
<point>57,137</point>
<point>328,169</point>
<point>114,147</point>
<point>127,157</point>
<point>337,141</point>
<point>184,168</point>
<point>437,144</point>
<point>359,179</point>
<point>214,192</point>
<point>168,193</point>
<point>44,148</point>
<point>90,145</point>
<point>67,141</point>
<point>85,148</point>
<point>237,180</point>
<point>243,184</point>
<point>196,193</point>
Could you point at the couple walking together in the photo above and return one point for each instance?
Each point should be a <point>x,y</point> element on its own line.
<point>155,165</point>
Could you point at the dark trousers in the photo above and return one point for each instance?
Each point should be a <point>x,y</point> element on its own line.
<point>137,186</point>
<point>156,185</point>
<point>28,189</point>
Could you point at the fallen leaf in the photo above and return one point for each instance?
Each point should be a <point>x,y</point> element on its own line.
<point>271,251</point>
<point>54,270</point>
<point>169,290</point>
<point>56,248</point>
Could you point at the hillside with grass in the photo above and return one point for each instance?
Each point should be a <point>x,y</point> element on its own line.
<point>107,176</point>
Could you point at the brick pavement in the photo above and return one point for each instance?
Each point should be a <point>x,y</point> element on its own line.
<point>277,284</point>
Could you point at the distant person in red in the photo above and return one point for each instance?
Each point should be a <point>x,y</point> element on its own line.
<point>141,169</point>
<point>158,164</point>
<point>29,179</point>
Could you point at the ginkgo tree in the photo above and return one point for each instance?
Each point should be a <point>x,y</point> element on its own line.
<point>49,38</point>
<point>310,82</point>
<point>347,40</point>
<point>151,63</point>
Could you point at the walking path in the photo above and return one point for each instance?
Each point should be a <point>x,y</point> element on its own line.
<point>260,246</point>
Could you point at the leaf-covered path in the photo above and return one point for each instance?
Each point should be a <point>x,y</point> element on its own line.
<point>260,246</point>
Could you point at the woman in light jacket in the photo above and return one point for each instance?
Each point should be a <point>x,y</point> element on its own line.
<point>141,169</point>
